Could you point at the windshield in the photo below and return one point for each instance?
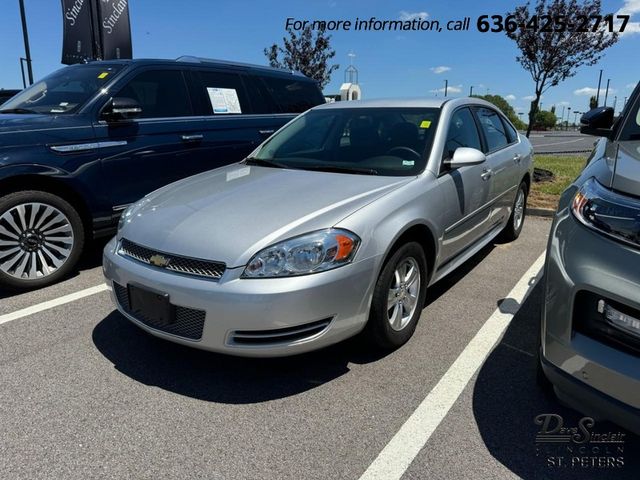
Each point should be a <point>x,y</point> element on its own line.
<point>64,91</point>
<point>377,141</point>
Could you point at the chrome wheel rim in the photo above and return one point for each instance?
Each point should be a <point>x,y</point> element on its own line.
<point>403,295</point>
<point>518,210</point>
<point>36,239</point>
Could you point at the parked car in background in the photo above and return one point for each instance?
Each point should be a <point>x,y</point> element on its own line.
<point>79,146</point>
<point>7,94</point>
<point>335,224</point>
<point>590,338</point>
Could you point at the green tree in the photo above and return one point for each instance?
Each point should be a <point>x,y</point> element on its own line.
<point>593,102</point>
<point>306,53</point>
<point>506,108</point>
<point>545,120</point>
<point>555,55</point>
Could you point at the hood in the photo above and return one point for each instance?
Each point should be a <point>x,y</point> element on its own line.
<point>626,178</point>
<point>231,213</point>
<point>28,129</point>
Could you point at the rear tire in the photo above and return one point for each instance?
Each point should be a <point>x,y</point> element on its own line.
<point>398,298</point>
<point>41,239</point>
<point>516,221</point>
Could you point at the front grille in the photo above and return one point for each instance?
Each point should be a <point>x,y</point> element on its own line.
<point>188,321</point>
<point>175,263</point>
<point>280,335</point>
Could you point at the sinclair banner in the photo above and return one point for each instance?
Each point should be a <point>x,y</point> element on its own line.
<point>95,30</point>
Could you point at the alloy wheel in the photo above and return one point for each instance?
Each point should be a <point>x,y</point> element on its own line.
<point>403,294</point>
<point>518,213</point>
<point>36,239</point>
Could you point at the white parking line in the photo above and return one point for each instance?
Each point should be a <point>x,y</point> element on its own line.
<point>72,297</point>
<point>396,457</point>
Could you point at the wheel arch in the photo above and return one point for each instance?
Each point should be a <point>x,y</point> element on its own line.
<point>421,233</point>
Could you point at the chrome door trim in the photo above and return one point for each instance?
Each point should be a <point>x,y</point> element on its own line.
<point>80,147</point>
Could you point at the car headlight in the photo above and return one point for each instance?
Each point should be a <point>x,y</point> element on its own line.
<point>608,212</point>
<point>310,253</point>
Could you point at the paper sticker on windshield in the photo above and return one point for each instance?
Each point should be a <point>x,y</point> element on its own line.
<point>224,100</point>
<point>408,163</point>
<point>103,75</point>
<point>425,124</point>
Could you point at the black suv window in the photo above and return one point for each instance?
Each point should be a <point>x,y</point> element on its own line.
<point>463,132</point>
<point>293,95</point>
<point>224,93</point>
<point>631,128</point>
<point>493,128</point>
<point>160,93</point>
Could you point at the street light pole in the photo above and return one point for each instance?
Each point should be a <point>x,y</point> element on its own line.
<point>446,87</point>
<point>471,91</point>
<point>606,93</point>
<point>25,34</point>
<point>568,115</point>
<point>598,92</point>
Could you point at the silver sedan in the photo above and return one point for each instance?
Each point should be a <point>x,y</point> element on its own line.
<point>334,226</point>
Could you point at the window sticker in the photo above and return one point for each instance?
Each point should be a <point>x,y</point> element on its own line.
<point>408,163</point>
<point>103,75</point>
<point>425,124</point>
<point>224,100</point>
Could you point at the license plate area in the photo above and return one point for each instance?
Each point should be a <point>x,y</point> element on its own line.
<point>151,306</point>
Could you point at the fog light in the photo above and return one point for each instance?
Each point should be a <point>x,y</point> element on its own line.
<point>621,320</point>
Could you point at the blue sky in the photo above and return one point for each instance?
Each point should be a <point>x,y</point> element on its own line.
<point>389,63</point>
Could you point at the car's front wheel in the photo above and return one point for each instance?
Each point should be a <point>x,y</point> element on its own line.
<point>398,297</point>
<point>41,239</point>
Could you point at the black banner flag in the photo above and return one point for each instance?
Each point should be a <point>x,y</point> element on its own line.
<point>95,30</point>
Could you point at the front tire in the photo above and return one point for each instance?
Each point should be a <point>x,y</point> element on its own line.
<point>516,221</point>
<point>41,239</point>
<point>398,298</point>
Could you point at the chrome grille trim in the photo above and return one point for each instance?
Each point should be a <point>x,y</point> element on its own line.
<point>279,335</point>
<point>176,263</point>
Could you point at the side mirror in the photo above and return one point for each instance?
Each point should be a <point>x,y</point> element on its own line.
<point>122,108</point>
<point>464,156</point>
<point>598,122</point>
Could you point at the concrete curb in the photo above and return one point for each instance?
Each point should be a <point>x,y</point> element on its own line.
<point>540,212</point>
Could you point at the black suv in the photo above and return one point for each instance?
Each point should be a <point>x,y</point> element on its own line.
<point>83,143</point>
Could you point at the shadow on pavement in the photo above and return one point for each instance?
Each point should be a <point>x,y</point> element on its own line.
<point>506,399</point>
<point>222,378</point>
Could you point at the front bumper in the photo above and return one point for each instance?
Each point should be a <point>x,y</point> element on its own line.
<point>233,304</point>
<point>579,364</point>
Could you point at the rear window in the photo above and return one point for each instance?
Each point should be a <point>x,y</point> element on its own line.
<point>293,95</point>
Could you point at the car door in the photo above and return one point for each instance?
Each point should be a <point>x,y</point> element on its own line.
<point>237,117</point>
<point>466,190</point>
<point>156,148</point>
<point>503,159</point>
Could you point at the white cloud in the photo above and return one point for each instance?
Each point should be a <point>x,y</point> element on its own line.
<point>404,15</point>
<point>590,91</point>
<point>511,97</point>
<point>450,89</point>
<point>529,98</point>
<point>630,7</point>
<point>440,69</point>
<point>564,104</point>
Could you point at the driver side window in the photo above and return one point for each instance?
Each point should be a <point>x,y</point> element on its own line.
<point>463,132</point>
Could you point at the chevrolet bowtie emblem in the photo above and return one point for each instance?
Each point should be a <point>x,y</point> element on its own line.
<point>159,261</point>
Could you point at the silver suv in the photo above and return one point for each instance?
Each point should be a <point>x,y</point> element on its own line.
<point>590,339</point>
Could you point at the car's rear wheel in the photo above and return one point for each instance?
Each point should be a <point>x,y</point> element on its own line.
<point>41,239</point>
<point>398,297</point>
<point>513,228</point>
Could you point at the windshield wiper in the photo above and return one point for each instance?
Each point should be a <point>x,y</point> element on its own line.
<point>261,162</point>
<point>339,169</point>
<point>18,110</point>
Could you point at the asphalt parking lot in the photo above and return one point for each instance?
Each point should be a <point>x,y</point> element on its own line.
<point>561,142</point>
<point>86,394</point>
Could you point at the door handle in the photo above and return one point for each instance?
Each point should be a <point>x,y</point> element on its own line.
<point>267,132</point>
<point>517,157</point>
<point>486,174</point>
<point>192,138</point>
